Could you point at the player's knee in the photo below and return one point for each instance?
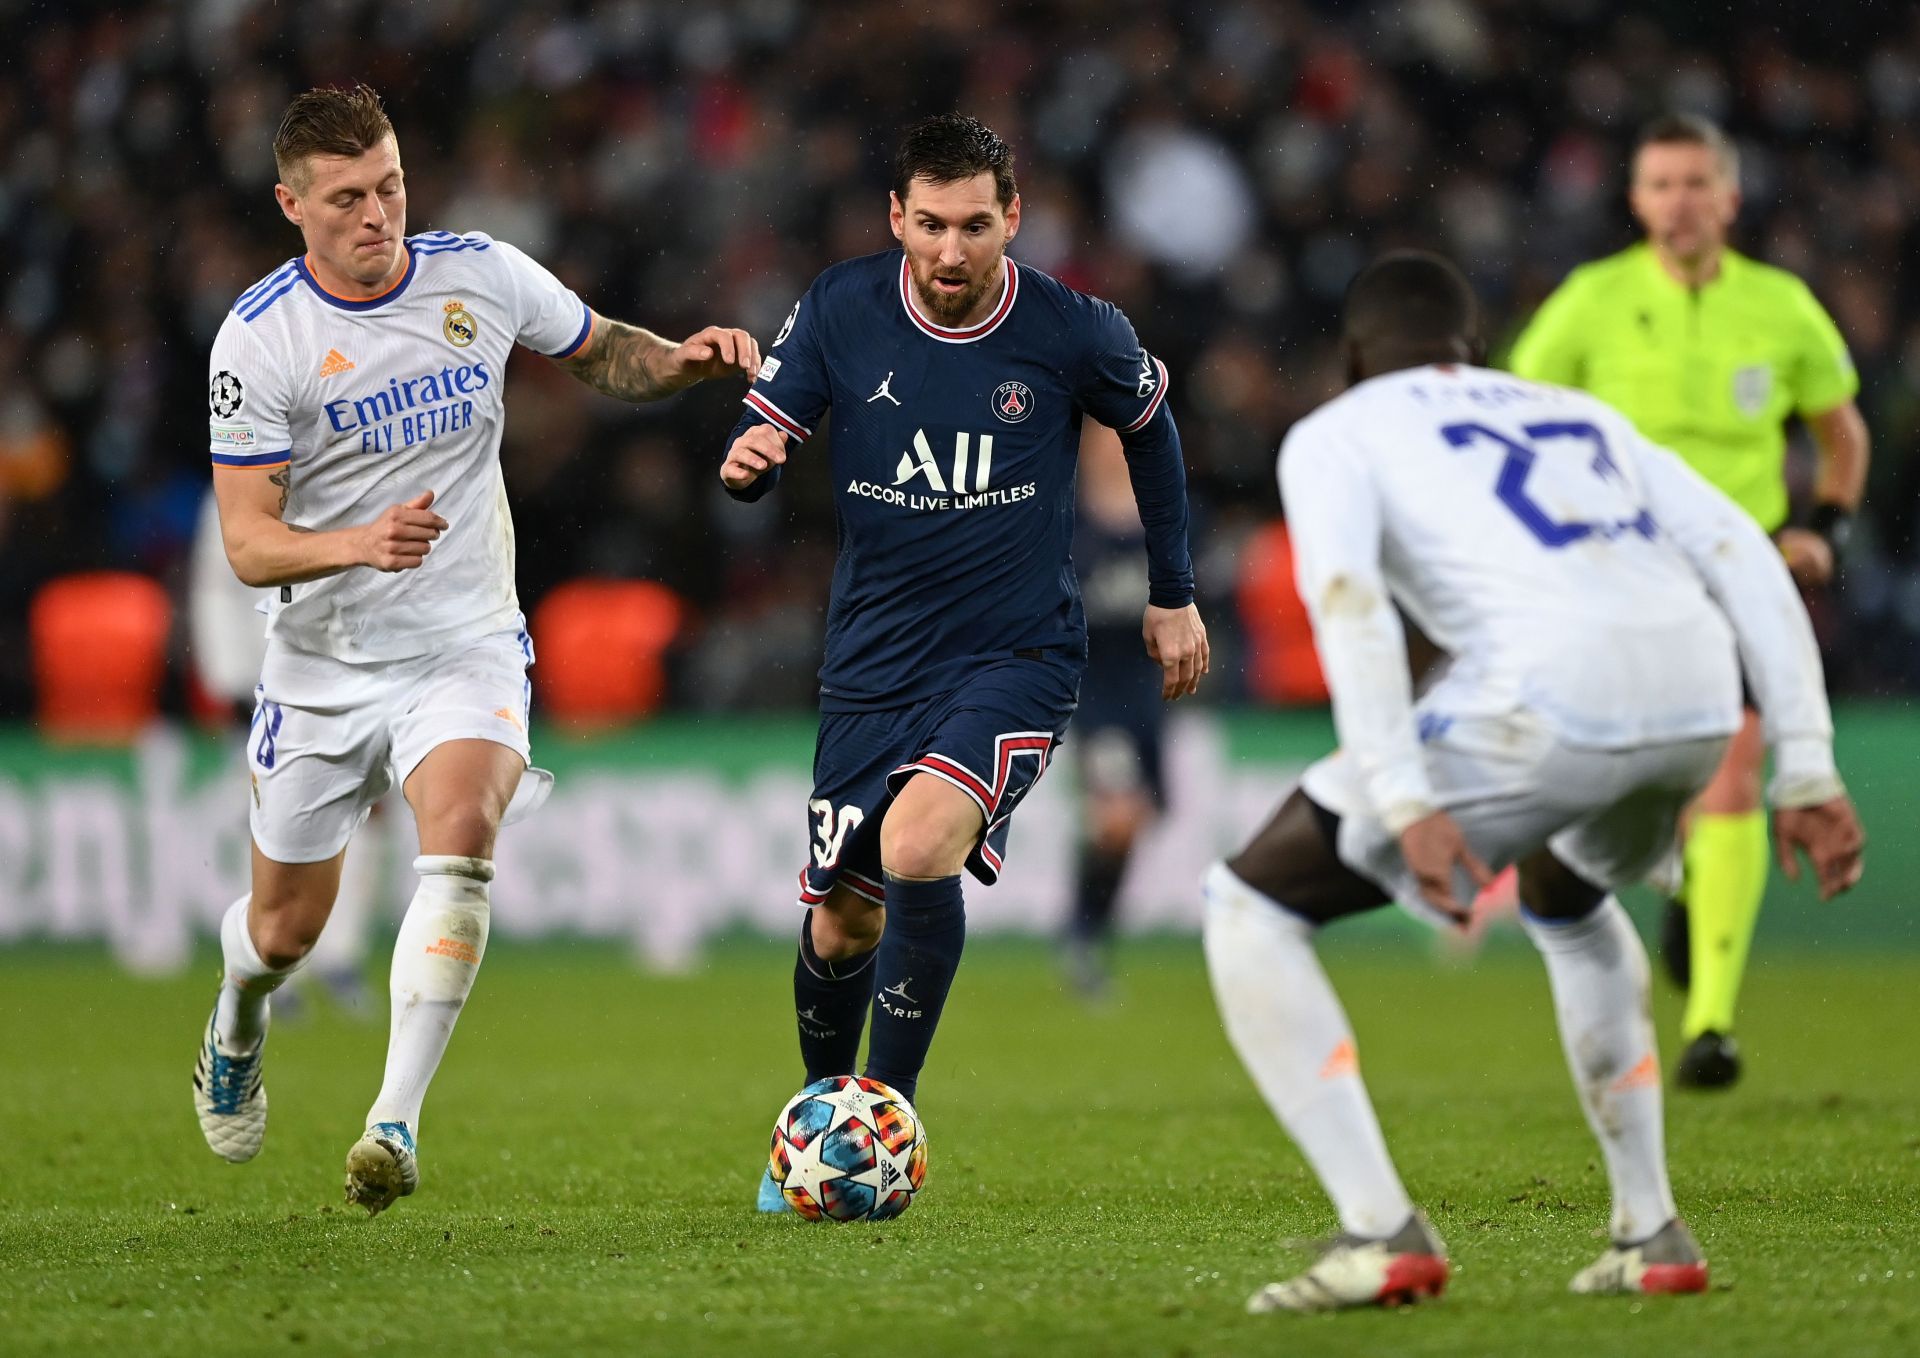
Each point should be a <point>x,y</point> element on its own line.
<point>285,936</point>
<point>463,829</point>
<point>846,929</point>
<point>1114,823</point>
<point>918,846</point>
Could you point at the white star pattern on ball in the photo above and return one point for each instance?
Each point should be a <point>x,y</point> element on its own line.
<point>854,1102</point>
<point>855,1112</point>
<point>807,1170</point>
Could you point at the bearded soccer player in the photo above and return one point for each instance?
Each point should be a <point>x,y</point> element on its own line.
<point>958,382</point>
<point>1709,353</point>
<point>356,419</point>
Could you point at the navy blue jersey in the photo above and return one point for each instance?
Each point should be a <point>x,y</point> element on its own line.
<point>953,460</point>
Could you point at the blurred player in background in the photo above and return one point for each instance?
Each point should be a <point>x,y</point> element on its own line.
<point>1597,600</point>
<point>356,412</point>
<point>958,383</point>
<point>228,626</point>
<point>1709,353</point>
<point>1119,727</point>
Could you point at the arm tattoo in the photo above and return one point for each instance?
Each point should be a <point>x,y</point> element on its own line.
<point>620,361</point>
<point>283,478</point>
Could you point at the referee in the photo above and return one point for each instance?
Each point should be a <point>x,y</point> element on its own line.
<point>1711,353</point>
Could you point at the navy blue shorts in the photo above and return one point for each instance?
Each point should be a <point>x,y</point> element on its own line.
<point>991,738</point>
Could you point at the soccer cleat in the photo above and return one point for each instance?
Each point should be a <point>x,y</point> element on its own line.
<point>770,1199</point>
<point>382,1167</point>
<point>1711,1061</point>
<point>1667,1261</point>
<point>230,1099</point>
<point>1676,943</point>
<point>1405,1267</point>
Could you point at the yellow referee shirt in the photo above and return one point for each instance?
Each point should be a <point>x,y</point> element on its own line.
<point>1711,372</point>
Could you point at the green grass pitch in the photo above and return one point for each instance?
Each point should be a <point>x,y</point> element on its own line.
<point>1102,1181</point>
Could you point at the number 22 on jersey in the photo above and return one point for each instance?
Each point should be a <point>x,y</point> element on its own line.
<point>1608,489</point>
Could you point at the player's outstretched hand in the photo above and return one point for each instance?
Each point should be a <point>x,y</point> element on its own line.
<point>1177,642</point>
<point>1432,848</point>
<point>400,539</point>
<point>1809,558</point>
<point>713,352</point>
<point>760,448</point>
<point>1829,835</point>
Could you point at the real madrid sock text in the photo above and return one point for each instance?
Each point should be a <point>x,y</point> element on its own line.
<point>435,959</point>
<point>914,967</point>
<point>830,1005</point>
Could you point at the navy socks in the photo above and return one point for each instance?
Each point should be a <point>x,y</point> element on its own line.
<point>915,964</point>
<point>830,1002</point>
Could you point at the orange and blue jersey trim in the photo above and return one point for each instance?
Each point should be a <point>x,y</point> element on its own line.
<point>254,461</point>
<point>393,290</point>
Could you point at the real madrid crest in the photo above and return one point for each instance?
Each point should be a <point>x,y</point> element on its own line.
<point>459,327</point>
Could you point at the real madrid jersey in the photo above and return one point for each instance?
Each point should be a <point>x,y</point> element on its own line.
<point>1711,372</point>
<point>1569,567</point>
<point>953,458</point>
<point>368,403</point>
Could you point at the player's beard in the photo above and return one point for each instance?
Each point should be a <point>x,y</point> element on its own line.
<point>950,309</point>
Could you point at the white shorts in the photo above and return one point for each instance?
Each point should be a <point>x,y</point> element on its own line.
<point>329,738</point>
<point>1514,786</point>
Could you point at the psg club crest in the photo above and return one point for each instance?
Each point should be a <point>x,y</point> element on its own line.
<point>460,327</point>
<point>225,394</point>
<point>1013,401</point>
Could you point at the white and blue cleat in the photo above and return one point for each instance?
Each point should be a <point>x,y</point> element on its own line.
<point>382,1167</point>
<point>771,1199</point>
<point>229,1098</point>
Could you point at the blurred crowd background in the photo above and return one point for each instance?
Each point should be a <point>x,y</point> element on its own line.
<point>1218,169</point>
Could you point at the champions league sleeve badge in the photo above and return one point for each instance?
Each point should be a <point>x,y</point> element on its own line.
<point>787,327</point>
<point>224,395</point>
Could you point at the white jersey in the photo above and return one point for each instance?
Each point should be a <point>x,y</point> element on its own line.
<point>1569,567</point>
<point>369,403</point>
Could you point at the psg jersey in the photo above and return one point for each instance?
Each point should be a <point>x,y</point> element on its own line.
<point>953,460</point>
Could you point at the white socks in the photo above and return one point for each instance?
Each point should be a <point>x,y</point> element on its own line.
<point>1287,1025</point>
<point>1598,971</point>
<point>435,959</point>
<point>240,1017</point>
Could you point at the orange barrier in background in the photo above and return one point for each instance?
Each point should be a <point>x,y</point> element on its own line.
<point>600,648</point>
<point>1282,665</point>
<point>99,650</point>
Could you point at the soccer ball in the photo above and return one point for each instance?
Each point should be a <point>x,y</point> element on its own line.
<point>849,1149</point>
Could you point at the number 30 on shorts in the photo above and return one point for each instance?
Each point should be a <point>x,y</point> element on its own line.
<point>830,833</point>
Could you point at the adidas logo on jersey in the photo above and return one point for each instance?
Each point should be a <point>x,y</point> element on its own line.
<point>335,363</point>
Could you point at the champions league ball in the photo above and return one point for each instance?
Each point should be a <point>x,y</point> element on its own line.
<point>848,1148</point>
